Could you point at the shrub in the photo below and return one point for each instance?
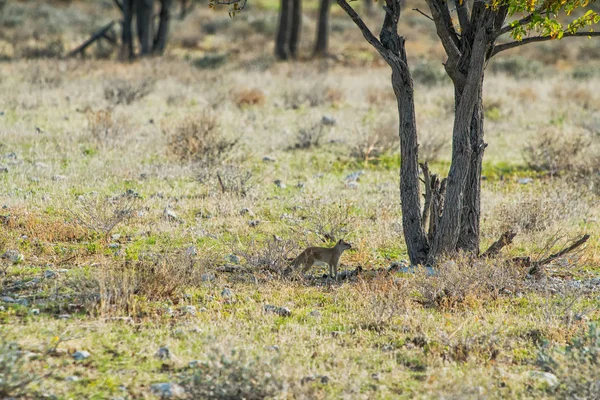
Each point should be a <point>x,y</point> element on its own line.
<point>431,144</point>
<point>103,127</point>
<point>463,279</point>
<point>309,136</point>
<point>103,214</point>
<point>576,367</point>
<point>428,74</point>
<point>122,91</point>
<point>248,97</point>
<point>556,152</point>
<point>234,375</point>
<point>271,256</point>
<point>518,67</point>
<point>199,139</point>
<point>228,179</point>
<point>154,277</point>
<point>376,141</point>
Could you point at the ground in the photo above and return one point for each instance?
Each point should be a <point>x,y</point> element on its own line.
<point>119,241</point>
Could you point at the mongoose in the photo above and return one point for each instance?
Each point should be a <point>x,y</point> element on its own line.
<point>330,256</point>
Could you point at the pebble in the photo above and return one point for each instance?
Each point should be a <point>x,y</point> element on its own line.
<point>114,245</point>
<point>525,181</point>
<point>13,256</point>
<point>49,274</point>
<point>281,311</point>
<point>207,277</point>
<point>170,214</point>
<point>254,223</point>
<point>328,120</point>
<point>64,316</point>
<point>57,178</point>
<point>2,308</point>
<point>547,377</point>
<point>315,313</point>
<point>7,299</point>
<point>269,159</point>
<point>191,251</point>
<point>163,353</point>
<point>354,176</point>
<point>80,355</point>
<point>227,292</point>
<point>34,311</point>
<point>245,211</point>
<point>191,310</point>
<point>167,390</point>
<point>3,169</point>
<point>72,378</point>
<point>233,259</point>
<point>279,183</point>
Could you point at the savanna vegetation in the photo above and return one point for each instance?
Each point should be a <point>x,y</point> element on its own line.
<point>148,207</point>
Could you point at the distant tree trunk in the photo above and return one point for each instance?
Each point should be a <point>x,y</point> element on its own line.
<point>126,51</point>
<point>323,29</point>
<point>283,31</point>
<point>160,41</point>
<point>296,27</point>
<point>368,6</point>
<point>144,25</point>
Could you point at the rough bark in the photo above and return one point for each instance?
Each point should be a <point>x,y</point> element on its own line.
<point>160,41</point>
<point>126,51</point>
<point>283,31</point>
<point>468,239</point>
<point>448,230</point>
<point>144,25</point>
<point>321,43</point>
<point>296,26</point>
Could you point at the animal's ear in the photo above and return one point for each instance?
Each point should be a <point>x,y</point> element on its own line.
<point>341,241</point>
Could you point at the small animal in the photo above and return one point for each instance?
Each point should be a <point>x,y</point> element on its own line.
<point>330,256</point>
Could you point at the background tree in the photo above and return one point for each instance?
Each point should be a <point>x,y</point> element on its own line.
<point>450,218</point>
<point>288,29</point>
<point>144,13</point>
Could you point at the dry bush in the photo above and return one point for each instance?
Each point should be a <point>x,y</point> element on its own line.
<point>228,179</point>
<point>234,374</point>
<point>249,97</point>
<point>582,96</point>
<point>121,91</point>
<point>380,300</point>
<point>462,280</point>
<point>104,214</point>
<point>104,128</point>
<point>309,136</point>
<point>41,227</point>
<point>431,144</point>
<point>153,277</point>
<point>558,152</point>
<point>312,96</point>
<point>44,77</point>
<point>470,346</point>
<point>428,73</point>
<point>199,139</point>
<point>376,140</point>
<point>271,256</point>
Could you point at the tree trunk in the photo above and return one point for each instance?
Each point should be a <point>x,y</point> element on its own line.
<point>368,6</point>
<point>468,239</point>
<point>126,51</point>
<point>160,41</point>
<point>323,29</point>
<point>283,31</point>
<point>144,24</point>
<point>296,27</point>
<point>446,238</point>
<point>410,198</point>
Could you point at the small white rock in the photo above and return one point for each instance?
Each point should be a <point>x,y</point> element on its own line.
<point>80,355</point>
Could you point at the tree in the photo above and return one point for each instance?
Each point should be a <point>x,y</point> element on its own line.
<point>321,44</point>
<point>288,30</point>
<point>143,10</point>
<point>450,218</point>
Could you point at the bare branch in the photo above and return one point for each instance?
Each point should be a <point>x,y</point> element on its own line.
<point>511,45</point>
<point>444,28</point>
<point>505,239</point>
<point>368,35</point>
<point>423,14</point>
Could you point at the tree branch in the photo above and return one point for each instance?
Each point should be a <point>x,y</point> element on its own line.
<point>511,45</point>
<point>505,239</point>
<point>423,14</point>
<point>463,14</point>
<point>445,30</point>
<point>368,35</point>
